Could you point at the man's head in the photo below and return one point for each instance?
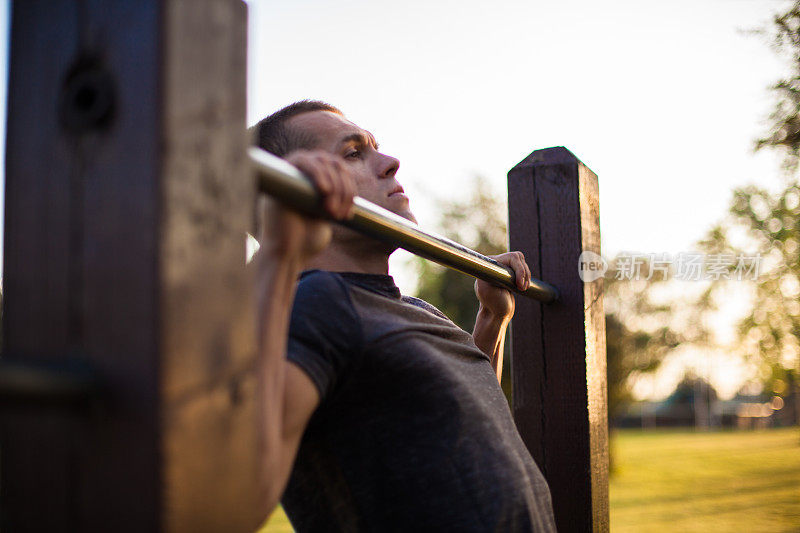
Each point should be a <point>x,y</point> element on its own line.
<point>274,134</point>
<point>314,125</point>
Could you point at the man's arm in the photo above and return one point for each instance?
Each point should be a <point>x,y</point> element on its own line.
<point>286,396</point>
<point>496,309</point>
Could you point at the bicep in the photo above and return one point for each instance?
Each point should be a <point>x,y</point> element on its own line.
<point>301,399</point>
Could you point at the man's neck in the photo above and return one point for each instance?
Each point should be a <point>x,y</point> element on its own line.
<point>341,258</point>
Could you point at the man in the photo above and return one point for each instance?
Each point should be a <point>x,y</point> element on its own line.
<point>379,413</point>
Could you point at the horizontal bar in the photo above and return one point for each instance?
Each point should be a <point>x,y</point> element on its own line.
<point>286,183</point>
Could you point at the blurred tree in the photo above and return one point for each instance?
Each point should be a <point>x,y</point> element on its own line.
<point>784,128</point>
<point>768,223</point>
<point>640,331</point>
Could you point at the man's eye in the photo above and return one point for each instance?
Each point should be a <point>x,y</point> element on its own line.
<point>355,154</point>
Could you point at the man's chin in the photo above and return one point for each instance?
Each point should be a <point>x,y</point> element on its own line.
<point>404,212</point>
<point>408,215</point>
<point>399,205</point>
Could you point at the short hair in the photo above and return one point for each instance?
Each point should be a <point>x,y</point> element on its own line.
<point>274,135</point>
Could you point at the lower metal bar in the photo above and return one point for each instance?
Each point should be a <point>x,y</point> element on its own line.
<point>287,184</point>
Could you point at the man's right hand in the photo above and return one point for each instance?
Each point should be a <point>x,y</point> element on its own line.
<point>288,234</point>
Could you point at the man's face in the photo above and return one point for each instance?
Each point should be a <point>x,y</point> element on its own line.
<point>374,172</point>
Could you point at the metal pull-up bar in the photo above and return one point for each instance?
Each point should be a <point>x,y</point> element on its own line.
<point>286,183</point>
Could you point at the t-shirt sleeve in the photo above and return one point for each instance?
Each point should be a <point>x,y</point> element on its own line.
<point>325,331</point>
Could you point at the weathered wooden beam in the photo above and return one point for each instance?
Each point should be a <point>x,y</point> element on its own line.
<point>558,350</point>
<point>127,200</point>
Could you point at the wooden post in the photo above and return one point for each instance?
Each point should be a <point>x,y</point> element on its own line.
<point>558,356</point>
<point>127,200</point>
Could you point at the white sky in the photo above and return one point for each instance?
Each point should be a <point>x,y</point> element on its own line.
<point>661,99</point>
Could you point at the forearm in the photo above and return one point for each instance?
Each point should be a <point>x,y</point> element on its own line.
<point>286,396</point>
<point>489,336</point>
<point>275,293</point>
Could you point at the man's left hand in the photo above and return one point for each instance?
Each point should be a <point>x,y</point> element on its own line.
<point>498,301</point>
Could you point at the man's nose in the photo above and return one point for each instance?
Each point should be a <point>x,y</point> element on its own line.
<point>389,166</point>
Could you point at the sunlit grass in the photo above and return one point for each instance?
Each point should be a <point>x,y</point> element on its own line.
<point>277,523</point>
<point>687,481</point>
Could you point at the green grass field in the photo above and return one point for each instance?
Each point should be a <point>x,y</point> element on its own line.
<point>277,523</point>
<point>686,481</point>
<point>719,482</point>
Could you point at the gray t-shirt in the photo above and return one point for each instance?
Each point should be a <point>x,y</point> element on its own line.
<point>413,432</point>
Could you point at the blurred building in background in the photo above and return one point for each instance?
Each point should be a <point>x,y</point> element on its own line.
<point>694,403</point>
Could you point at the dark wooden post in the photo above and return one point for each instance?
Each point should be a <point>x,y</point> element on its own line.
<point>558,350</point>
<point>127,200</point>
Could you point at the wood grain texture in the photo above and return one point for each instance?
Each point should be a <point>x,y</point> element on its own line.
<point>80,276</point>
<point>125,246</point>
<point>207,329</point>
<point>558,350</point>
